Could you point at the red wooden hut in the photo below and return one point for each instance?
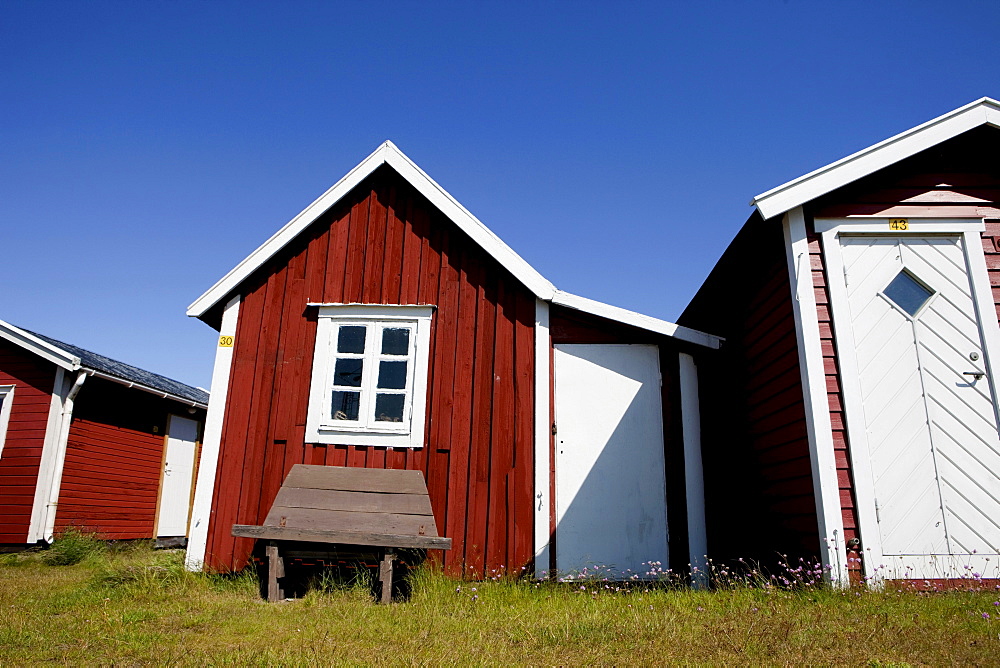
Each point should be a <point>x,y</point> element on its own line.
<point>858,420</point>
<point>385,326</point>
<point>91,443</point>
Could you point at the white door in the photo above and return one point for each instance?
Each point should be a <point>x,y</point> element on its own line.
<point>929,416</point>
<point>611,507</point>
<point>178,473</point>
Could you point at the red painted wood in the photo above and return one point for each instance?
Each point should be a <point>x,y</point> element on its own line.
<point>33,379</point>
<point>385,244</point>
<point>114,459</point>
<point>461,432</point>
<point>520,493</point>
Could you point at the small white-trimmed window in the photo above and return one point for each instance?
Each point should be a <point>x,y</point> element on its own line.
<point>6,400</point>
<point>369,377</point>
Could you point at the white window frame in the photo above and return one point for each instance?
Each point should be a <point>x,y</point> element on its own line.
<point>320,425</point>
<point>7,394</point>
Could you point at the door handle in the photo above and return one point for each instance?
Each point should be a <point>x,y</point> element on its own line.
<point>977,375</point>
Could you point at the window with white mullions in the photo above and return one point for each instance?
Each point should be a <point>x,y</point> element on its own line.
<point>372,374</point>
<point>369,375</point>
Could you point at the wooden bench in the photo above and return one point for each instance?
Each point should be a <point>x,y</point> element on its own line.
<point>372,508</point>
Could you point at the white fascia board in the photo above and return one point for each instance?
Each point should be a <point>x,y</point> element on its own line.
<point>387,153</point>
<point>806,188</point>
<point>468,223</point>
<point>43,349</point>
<point>636,319</point>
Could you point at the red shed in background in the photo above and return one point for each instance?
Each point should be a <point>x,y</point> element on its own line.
<point>387,327</point>
<point>858,419</point>
<point>91,443</point>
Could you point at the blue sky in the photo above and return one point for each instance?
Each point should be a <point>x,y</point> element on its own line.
<point>148,147</point>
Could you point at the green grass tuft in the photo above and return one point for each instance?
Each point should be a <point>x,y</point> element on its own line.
<point>72,547</point>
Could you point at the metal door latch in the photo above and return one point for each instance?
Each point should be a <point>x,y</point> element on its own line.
<point>977,375</point>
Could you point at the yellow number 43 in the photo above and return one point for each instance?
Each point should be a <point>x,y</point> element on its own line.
<point>899,224</point>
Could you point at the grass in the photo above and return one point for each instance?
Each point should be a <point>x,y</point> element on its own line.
<point>138,606</point>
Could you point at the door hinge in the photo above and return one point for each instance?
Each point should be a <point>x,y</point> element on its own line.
<point>553,428</point>
<point>878,515</point>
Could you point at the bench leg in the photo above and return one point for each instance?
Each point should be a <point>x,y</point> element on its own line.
<point>275,570</point>
<point>385,575</point>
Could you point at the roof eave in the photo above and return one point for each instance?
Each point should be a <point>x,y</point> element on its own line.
<point>145,388</point>
<point>797,192</point>
<point>43,349</point>
<point>634,319</point>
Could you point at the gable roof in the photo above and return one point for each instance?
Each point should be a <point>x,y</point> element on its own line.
<point>73,358</point>
<point>797,192</point>
<point>388,154</point>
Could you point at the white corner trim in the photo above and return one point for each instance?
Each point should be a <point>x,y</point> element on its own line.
<point>7,395</point>
<point>826,488</point>
<point>46,464</point>
<point>43,349</point>
<point>543,425</point>
<point>50,470</point>
<point>854,409</point>
<point>636,319</point>
<point>388,154</point>
<point>797,192</point>
<point>694,478</point>
<point>201,510</point>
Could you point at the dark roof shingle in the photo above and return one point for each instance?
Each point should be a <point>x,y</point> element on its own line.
<point>127,372</point>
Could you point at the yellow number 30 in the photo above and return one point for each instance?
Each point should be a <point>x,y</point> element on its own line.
<point>226,341</point>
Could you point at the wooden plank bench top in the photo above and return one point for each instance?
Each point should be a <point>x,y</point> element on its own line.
<point>383,508</point>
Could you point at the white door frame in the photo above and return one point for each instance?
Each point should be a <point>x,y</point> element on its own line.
<point>830,229</point>
<point>163,500</point>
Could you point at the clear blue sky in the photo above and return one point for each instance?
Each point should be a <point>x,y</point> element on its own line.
<point>147,147</point>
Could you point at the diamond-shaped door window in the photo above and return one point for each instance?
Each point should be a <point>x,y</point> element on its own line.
<point>907,292</point>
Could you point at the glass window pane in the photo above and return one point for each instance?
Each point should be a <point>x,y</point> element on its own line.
<point>907,293</point>
<point>392,375</point>
<point>348,372</point>
<point>345,405</point>
<point>395,341</point>
<point>351,339</point>
<point>389,407</point>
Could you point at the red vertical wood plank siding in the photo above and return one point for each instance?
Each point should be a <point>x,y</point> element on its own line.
<point>385,244</point>
<point>33,379</point>
<point>956,179</point>
<point>758,487</point>
<point>520,481</point>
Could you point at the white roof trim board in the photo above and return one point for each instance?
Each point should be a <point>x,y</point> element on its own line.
<point>388,154</point>
<point>636,319</point>
<point>797,192</point>
<point>43,349</point>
